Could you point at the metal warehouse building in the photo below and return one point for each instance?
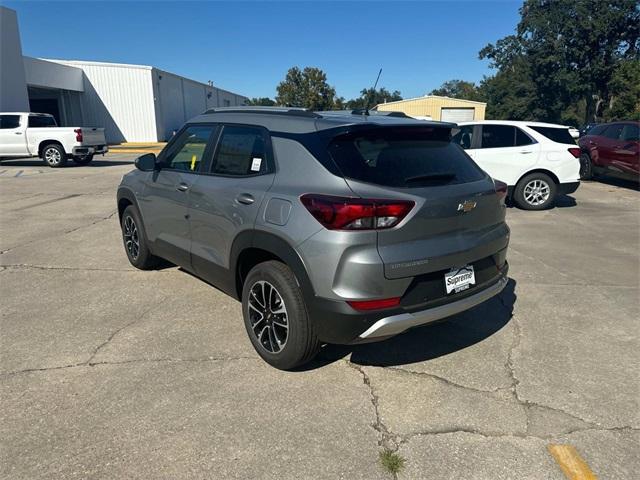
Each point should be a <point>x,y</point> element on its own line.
<point>438,108</point>
<point>134,103</point>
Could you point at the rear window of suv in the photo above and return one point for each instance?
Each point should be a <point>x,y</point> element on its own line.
<point>558,135</point>
<point>403,157</point>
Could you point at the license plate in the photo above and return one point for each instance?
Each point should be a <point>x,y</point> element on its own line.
<point>459,279</point>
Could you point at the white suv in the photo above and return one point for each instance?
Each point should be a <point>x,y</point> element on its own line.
<point>536,160</point>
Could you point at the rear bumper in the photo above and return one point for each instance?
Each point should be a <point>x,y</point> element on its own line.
<point>336,322</point>
<point>83,151</point>
<point>395,324</point>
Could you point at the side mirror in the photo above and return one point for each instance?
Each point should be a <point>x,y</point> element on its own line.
<point>146,162</point>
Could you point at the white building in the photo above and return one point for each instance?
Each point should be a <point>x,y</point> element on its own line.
<point>134,103</point>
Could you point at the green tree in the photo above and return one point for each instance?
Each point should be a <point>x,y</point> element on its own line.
<point>261,102</point>
<point>569,50</point>
<point>459,89</point>
<point>306,88</point>
<point>625,92</point>
<point>510,93</point>
<point>372,98</point>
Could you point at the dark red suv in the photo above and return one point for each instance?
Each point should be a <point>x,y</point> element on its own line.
<point>612,148</point>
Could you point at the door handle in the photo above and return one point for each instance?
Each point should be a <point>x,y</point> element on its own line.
<point>182,187</point>
<point>18,133</point>
<point>245,198</point>
<point>526,151</point>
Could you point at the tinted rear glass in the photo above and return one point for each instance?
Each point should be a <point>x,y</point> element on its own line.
<point>41,121</point>
<point>403,158</point>
<point>558,135</point>
<point>522,138</point>
<point>613,132</point>
<point>498,136</point>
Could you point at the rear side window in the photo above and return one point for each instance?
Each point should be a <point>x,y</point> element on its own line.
<point>403,158</point>
<point>9,121</point>
<point>498,136</point>
<point>41,121</point>
<point>241,151</point>
<point>630,133</point>
<point>522,138</point>
<point>614,132</point>
<point>558,135</point>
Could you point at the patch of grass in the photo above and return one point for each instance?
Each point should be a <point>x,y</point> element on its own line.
<point>391,461</point>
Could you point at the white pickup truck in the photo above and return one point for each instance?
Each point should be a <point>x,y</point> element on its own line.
<point>37,135</point>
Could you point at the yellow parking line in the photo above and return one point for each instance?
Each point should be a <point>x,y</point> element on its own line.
<point>571,463</point>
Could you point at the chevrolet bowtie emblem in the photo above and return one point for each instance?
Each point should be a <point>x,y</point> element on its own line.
<point>466,206</point>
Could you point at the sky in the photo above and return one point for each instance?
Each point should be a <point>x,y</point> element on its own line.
<point>247,47</point>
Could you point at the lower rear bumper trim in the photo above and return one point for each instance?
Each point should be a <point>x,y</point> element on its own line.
<point>567,188</point>
<point>396,324</point>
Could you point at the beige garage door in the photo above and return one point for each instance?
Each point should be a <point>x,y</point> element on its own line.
<point>457,114</point>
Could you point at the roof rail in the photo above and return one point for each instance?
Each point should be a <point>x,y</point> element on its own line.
<point>362,111</point>
<point>294,111</point>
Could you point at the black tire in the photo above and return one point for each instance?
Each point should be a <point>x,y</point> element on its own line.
<point>83,160</point>
<point>527,197</point>
<point>54,155</point>
<point>586,167</point>
<point>134,240</point>
<point>282,348</point>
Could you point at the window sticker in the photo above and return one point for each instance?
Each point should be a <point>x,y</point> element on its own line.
<point>255,165</point>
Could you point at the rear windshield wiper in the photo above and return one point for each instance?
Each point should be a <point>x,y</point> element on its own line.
<point>432,177</point>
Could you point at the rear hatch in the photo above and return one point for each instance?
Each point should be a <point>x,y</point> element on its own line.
<point>458,217</point>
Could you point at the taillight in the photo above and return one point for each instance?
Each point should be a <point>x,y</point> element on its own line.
<point>78,132</point>
<point>501,189</point>
<point>344,213</point>
<point>575,152</point>
<point>374,304</point>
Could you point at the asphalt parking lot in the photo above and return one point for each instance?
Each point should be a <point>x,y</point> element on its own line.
<point>109,372</point>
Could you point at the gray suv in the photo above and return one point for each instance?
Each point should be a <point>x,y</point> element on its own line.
<point>330,227</point>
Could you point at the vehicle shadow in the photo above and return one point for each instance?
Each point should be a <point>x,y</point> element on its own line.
<point>430,341</point>
<point>562,201</point>
<point>617,182</point>
<point>70,164</point>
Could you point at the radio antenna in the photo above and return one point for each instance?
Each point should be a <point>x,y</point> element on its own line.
<point>366,108</point>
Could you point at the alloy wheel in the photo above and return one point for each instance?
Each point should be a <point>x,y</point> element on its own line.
<point>268,316</point>
<point>52,156</point>
<point>536,192</point>
<point>131,239</point>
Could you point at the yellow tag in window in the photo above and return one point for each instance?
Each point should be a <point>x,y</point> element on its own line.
<point>193,162</point>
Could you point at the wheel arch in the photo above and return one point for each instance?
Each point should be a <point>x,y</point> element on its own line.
<point>44,143</point>
<point>125,198</point>
<point>549,173</point>
<point>251,248</point>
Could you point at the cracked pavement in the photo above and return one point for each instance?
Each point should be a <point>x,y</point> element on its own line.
<point>109,372</point>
